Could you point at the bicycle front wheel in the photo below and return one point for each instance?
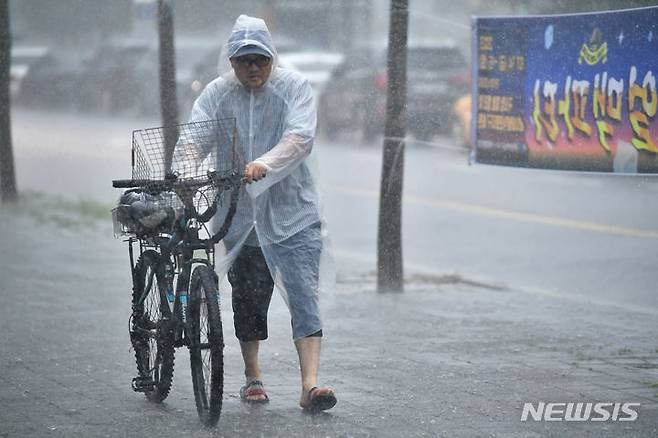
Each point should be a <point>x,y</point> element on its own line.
<point>206,345</point>
<point>149,331</point>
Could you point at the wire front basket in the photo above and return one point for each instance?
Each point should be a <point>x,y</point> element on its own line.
<point>190,150</point>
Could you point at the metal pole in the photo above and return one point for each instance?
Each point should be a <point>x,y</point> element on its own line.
<point>390,276</point>
<point>7,174</point>
<point>167,59</point>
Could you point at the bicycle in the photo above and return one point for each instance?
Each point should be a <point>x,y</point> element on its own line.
<point>175,300</point>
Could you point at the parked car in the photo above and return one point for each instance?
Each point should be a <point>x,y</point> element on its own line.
<point>22,59</point>
<point>355,96</point>
<point>110,80</point>
<point>197,64</point>
<point>123,75</point>
<point>53,79</point>
<point>316,66</point>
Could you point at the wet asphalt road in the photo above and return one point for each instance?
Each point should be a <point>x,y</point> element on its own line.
<point>591,237</point>
<point>444,359</point>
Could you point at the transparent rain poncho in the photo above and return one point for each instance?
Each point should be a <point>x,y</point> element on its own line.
<point>275,126</point>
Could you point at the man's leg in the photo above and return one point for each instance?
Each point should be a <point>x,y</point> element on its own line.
<point>252,291</point>
<point>251,368</point>
<point>308,349</point>
<point>250,358</point>
<point>298,260</point>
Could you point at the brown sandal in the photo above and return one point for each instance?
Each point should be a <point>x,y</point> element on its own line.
<point>321,399</point>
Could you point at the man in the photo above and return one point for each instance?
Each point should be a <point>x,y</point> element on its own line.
<point>276,235</point>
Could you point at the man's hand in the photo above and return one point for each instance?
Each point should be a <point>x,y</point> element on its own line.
<point>254,171</point>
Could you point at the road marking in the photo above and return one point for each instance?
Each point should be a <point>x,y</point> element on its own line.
<point>464,207</point>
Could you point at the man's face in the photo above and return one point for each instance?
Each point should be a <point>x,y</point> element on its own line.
<point>252,70</point>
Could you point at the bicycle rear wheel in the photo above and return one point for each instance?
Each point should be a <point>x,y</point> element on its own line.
<point>206,345</point>
<point>149,330</point>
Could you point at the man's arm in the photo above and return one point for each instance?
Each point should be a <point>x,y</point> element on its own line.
<point>290,150</point>
<point>295,144</point>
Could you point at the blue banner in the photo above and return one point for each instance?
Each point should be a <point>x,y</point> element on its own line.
<point>567,91</point>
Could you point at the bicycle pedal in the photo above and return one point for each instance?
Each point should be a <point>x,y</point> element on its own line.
<point>143,384</point>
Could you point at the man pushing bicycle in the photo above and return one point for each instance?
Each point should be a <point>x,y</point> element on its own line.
<point>276,237</point>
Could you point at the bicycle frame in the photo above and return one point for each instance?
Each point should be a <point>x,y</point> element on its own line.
<point>177,249</point>
<point>179,259</point>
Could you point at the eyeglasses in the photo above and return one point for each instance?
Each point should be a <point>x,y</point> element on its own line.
<point>246,60</point>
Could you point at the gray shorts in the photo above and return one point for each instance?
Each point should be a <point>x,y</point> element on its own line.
<point>297,259</point>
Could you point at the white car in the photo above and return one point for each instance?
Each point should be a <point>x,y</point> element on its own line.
<point>316,66</point>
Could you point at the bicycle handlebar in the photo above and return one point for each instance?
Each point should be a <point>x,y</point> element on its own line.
<point>172,183</point>
<point>132,183</point>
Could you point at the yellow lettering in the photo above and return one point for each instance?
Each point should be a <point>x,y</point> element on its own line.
<point>483,62</point>
<point>538,116</point>
<point>598,101</point>
<point>635,92</point>
<point>643,92</point>
<point>486,43</point>
<point>495,104</point>
<point>506,104</point>
<point>642,141</point>
<point>605,129</point>
<point>491,61</point>
<point>579,92</point>
<point>564,108</point>
<point>489,83</point>
<point>615,97</point>
<point>482,121</point>
<point>486,102</point>
<point>502,63</point>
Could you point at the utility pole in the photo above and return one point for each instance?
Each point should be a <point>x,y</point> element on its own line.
<point>167,59</point>
<point>390,276</point>
<point>7,175</point>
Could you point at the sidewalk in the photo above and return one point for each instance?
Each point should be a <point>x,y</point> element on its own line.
<point>445,358</point>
